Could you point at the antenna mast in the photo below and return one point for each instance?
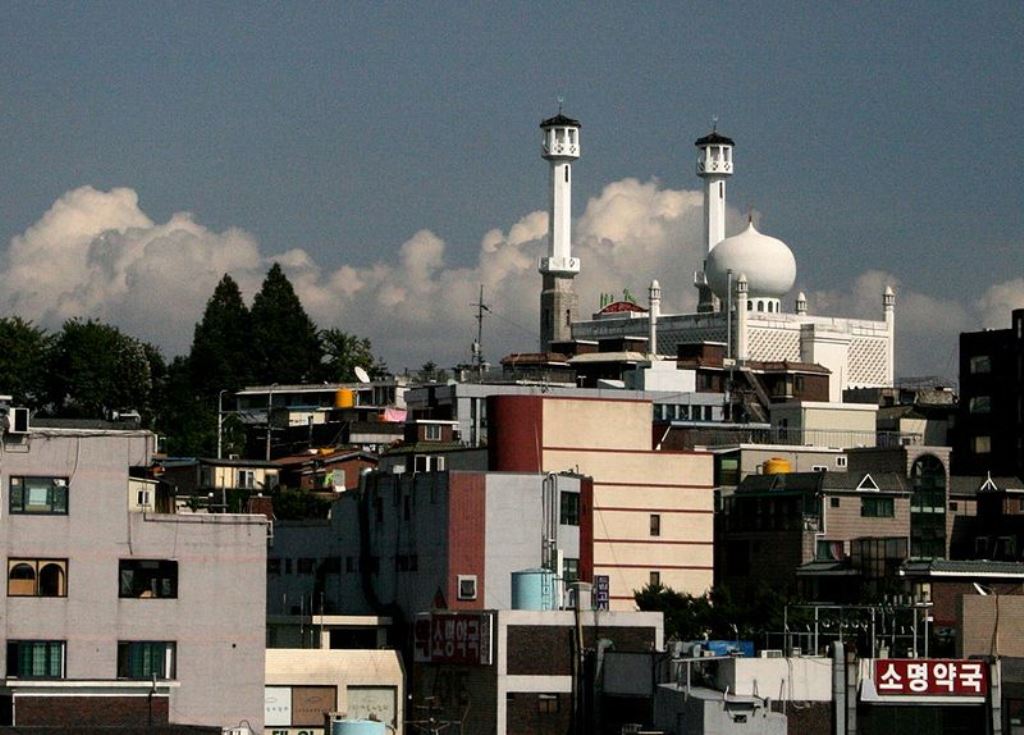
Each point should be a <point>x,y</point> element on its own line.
<point>478,352</point>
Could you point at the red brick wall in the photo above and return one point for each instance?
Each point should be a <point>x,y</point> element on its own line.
<point>466,536</point>
<point>89,711</point>
<point>514,433</point>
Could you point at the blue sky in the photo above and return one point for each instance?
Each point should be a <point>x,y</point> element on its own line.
<point>870,137</point>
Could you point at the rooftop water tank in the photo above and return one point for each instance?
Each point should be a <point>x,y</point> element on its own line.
<point>345,398</point>
<point>776,466</point>
<point>533,589</point>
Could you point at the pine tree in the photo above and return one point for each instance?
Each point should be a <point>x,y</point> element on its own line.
<point>285,344</point>
<point>221,354</point>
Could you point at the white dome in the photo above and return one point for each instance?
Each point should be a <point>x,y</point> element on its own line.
<point>767,262</point>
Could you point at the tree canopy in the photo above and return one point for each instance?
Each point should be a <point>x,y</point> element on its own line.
<point>23,361</point>
<point>95,369</point>
<point>220,358</point>
<point>285,346</point>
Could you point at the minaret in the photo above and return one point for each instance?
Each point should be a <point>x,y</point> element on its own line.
<point>558,301</point>
<point>742,289</point>
<point>654,300</point>
<point>714,165</point>
<point>889,307</point>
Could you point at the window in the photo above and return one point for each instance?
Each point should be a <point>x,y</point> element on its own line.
<point>655,524</point>
<point>819,468</point>
<point>273,566</point>
<point>982,444</point>
<point>466,586</point>
<point>980,404</point>
<point>247,479</point>
<point>877,507</point>
<point>833,502</point>
<point>37,577</point>
<point>35,659</point>
<point>148,578</point>
<point>432,432</point>
<point>655,579</point>
<point>980,364</point>
<point>547,703</point>
<point>145,659</point>
<point>954,506</point>
<point>570,511</point>
<point>42,495</point>
<point>570,570</point>
<point>841,460</point>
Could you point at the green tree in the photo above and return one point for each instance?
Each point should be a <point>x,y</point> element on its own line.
<point>95,369</point>
<point>188,421</point>
<point>220,358</point>
<point>343,353</point>
<point>687,617</point>
<point>23,361</point>
<point>285,344</point>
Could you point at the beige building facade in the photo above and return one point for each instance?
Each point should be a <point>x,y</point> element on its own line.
<point>653,511</point>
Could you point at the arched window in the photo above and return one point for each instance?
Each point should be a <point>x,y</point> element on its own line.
<point>760,305</point>
<point>21,580</point>
<point>750,306</point>
<point>51,580</point>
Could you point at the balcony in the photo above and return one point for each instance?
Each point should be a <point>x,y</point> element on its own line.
<point>826,438</point>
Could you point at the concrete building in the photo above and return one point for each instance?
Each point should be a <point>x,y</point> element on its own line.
<point>117,615</point>
<point>740,302</point>
<point>418,541</point>
<point>838,534</point>
<point>525,672</point>
<point>819,423</point>
<point>652,510</point>
<point>304,686</point>
<point>989,435</point>
<point>466,403</point>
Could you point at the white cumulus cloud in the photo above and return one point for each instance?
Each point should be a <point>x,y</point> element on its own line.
<point>97,254</point>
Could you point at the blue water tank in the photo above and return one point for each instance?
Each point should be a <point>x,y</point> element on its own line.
<point>357,727</point>
<point>533,589</point>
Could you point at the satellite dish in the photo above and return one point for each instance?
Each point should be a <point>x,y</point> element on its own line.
<point>361,375</point>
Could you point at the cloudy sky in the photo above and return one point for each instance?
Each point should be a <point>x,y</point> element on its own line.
<point>387,155</point>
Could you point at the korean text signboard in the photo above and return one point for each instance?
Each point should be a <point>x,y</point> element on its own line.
<point>931,677</point>
<point>602,596</point>
<point>453,638</point>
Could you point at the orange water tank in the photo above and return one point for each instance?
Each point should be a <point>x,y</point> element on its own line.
<point>776,466</point>
<point>345,398</point>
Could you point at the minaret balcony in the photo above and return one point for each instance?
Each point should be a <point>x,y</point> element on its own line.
<point>713,166</point>
<point>556,266</point>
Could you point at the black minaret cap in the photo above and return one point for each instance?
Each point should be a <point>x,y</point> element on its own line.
<point>560,121</point>
<point>713,138</point>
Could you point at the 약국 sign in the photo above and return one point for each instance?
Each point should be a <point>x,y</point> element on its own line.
<point>931,677</point>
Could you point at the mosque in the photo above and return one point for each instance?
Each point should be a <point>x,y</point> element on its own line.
<point>740,290</point>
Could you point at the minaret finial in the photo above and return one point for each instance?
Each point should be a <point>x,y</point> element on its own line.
<point>714,123</point>
<point>750,214</point>
<point>561,101</point>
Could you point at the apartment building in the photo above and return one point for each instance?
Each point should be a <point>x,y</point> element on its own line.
<point>115,614</point>
<point>652,510</point>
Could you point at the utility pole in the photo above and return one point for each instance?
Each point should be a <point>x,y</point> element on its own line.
<point>478,350</point>
<point>220,424</point>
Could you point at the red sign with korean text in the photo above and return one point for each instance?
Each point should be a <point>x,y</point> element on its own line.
<point>453,638</point>
<point>938,677</point>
